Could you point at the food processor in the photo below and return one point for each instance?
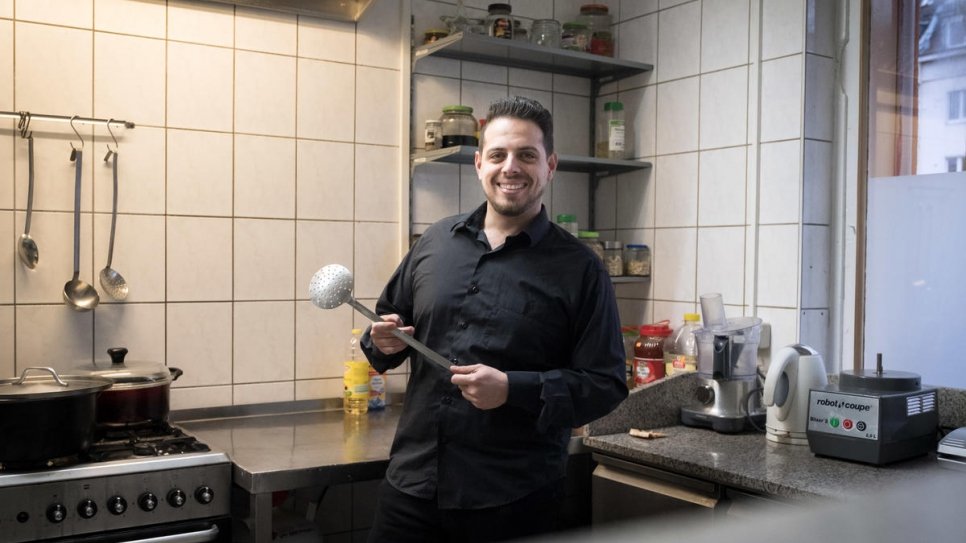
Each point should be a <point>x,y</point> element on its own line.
<point>727,399</point>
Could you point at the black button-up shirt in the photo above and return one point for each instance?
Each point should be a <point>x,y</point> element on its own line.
<point>540,308</point>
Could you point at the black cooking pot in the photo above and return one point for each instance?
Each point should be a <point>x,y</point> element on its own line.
<point>46,417</point>
<point>139,393</point>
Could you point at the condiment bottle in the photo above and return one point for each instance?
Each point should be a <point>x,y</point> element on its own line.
<point>355,380</point>
<point>568,222</point>
<point>681,347</point>
<point>499,22</point>
<point>649,353</point>
<point>610,131</point>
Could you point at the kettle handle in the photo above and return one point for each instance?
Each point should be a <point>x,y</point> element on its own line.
<point>775,371</point>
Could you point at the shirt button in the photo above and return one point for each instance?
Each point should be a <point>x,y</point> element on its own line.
<point>447,400</point>
<point>454,360</point>
<point>474,289</point>
<point>463,325</point>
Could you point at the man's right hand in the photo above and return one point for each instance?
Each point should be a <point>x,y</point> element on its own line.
<point>383,338</point>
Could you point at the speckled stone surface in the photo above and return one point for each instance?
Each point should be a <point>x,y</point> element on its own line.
<point>748,460</point>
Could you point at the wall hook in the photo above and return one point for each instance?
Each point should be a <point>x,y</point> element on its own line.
<point>110,152</point>
<point>74,150</point>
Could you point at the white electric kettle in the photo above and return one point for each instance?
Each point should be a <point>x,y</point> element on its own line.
<point>793,372</point>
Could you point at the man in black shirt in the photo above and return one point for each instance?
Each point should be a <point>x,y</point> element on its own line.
<point>526,314</point>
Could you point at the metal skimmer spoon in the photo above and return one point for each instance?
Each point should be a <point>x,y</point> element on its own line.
<point>78,294</point>
<point>28,251</point>
<point>112,281</point>
<point>331,287</point>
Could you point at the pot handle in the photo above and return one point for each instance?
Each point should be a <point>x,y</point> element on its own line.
<point>52,371</point>
<point>175,373</point>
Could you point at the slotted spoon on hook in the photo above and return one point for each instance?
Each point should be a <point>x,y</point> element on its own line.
<point>331,287</point>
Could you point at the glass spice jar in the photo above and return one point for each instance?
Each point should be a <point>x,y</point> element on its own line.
<point>568,222</point>
<point>575,37</point>
<point>592,240</point>
<point>458,126</point>
<point>598,21</point>
<point>432,138</point>
<point>545,32</point>
<point>499,22</point>
<point>614,258</point>
<point>637,260</point>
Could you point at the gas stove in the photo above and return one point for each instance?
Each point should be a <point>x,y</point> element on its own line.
<point>132,484</point>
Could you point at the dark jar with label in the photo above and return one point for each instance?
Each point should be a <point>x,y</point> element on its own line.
<point>499,22</point>
<point>649,353</point>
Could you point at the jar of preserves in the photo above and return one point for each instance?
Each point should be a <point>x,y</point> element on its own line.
<point>614,258</point>
<point>458,126</point>
<point>598,21</point>
<point>545,32</point>
<point>499,22</point>
<point>649,353</point>
<point>637,260</point>
<point>575,36</point>
<point>592,240</point>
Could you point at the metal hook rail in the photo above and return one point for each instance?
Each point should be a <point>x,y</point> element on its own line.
<point>64,118</point>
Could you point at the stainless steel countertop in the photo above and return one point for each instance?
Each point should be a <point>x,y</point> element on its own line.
<point>287,450</point>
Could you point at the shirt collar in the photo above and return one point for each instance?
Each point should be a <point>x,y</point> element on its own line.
<point>534,232</point>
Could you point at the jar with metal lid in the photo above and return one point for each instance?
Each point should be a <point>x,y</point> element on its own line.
<point>545,32</point>
<point>458,126</point>
<point>500,22</point>
<point>637,260</point>
<point>575,36</point>
<point>614,258</point>
<point>598,21</point>
<point>649,353</point>
<point>568,222</point>
<point>592,239</point>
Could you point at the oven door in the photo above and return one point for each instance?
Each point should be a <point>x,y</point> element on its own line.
<point>197,531</point>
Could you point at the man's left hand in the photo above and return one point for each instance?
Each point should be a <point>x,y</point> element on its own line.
<point>483,386</point>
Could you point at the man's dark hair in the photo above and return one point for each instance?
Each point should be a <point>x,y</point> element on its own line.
<point>527,109</point>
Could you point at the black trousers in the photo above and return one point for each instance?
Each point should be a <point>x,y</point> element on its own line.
<point>401,518</point>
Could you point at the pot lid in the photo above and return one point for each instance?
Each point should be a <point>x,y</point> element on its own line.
<point>128,372</point>
<point>37,387</point>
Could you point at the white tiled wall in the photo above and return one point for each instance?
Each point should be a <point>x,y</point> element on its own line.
<point>736,119</point>
<point>265,145</point>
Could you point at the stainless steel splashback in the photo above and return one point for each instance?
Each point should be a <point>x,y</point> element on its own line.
<point>340,10</point>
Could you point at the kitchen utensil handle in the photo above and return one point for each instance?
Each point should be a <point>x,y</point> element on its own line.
<point>110,246</point>
<point>432,355</point>
<point>78,172</point>
<point>30,182</point>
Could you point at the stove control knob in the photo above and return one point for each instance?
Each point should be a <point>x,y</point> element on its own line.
<point>56,513</point>
<point>87,508</point>
<point>147,501</point>
<point>177,498</point>
<point>116,505</point>
<point>204,494</point>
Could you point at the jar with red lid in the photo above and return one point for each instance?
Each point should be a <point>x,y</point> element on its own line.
<point>649,353</point>
<point>598,21</point>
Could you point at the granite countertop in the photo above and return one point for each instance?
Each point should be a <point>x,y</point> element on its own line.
<point>747,460</point>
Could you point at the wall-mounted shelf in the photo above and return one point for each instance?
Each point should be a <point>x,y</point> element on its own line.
<point>520,54</point>
<point>630,279</point>
<point>600,167</point>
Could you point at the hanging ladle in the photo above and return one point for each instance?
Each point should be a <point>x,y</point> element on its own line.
<point>79,295</point>
<point>331,287</point>
<point>27,249</point>
<point>112,281</point>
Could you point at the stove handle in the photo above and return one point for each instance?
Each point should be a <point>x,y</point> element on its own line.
<point>202,536</point>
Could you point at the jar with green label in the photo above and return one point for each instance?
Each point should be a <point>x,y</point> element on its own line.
<point>610,131</point>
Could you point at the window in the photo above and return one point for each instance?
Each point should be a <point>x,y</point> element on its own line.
<point>957,105</point>
<point>911,249</point>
